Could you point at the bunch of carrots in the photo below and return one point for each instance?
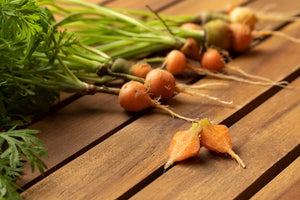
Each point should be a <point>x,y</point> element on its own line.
<point>208,38</point>
<point>100,46</point>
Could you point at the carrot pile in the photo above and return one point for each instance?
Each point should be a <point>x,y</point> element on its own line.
<point>135,40</point>
<point>134,55</point>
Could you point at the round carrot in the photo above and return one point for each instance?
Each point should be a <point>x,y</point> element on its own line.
<point>243,15</point>
<point>184,145</point>
<point>241,37</point>
<point>160,84</point>
<point>191,49</point>
<point>175,62</point>
<point>212,60</point>
<point>134,97</point>
<point>140,69</point>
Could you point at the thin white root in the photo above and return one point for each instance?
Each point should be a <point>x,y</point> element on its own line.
<point>275,33</point>
<point>242,72</point>
<point>172,113</point>
<point>201,86</point>
<point>276,16</point>
<point>234,78</point>
<point>193,93</point>
<point>237,158</point>
<point>168,164</point>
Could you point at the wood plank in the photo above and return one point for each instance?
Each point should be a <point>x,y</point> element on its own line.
<point>260,139</point>
<point>284,186</point>
<point>130,155</point>
<point>76,126</point>
<point>194,7</point>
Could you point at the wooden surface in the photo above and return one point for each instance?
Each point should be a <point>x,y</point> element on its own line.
<point>98,151</point>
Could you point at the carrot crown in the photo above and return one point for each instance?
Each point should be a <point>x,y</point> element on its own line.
<point>205,123</point>
<point>196,128</point>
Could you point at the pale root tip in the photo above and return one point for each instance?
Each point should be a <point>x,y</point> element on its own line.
<point>168,164</point>
<point>237,158</point>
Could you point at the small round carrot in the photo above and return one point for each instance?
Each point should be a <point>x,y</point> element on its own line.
<point>161,84</point>
<point>212,61</point>
<point>140,69</point>
<point>133,97</point>
<point>243,15</point>
<point>217,138</point>
<point>184,145</point>
<point>175,62</point>
<point>241,37</point>
<point>191,49</point>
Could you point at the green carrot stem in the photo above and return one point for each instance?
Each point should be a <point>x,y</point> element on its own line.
<point>126,76</point>
<point>140,49</point>
<point>96,51</point>
<point>94,78</point>
<point>117,15</point>
<point>154,59</point>
<point>114,45</point>
<point>91,89</point>
<point>67,70</point>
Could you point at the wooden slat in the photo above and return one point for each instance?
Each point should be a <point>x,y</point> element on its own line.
<point>86,120</point>
<point>285,186</point>
<point>193,7</point>
<point>262,138</point>
<point>75,126</point>
<point>126,158</point>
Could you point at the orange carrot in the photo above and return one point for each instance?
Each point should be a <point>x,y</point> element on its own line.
<point>217,138</point>
<point>191,49</point>
<point>241,37</point>
<point>140,69</point>
<point>133,97</point>
<point>175,62</point>
<point>212,62</point>
<point>184,145</point>
<point>161,84</point>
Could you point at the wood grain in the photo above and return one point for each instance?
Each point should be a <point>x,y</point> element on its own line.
<point>285,186</point>
<point>62,132</point>
<point>138,150</point>
<point>262,138</point>
<point>134,152</point>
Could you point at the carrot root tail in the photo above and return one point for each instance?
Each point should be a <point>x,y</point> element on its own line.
<point>168,164</point>
<point>275,33</point>
<point>237,158</point>
<point>203,85</point>
<point>238,79</point>
<point>172,113</point>
<point>193,93</point>
<point>261,78</point>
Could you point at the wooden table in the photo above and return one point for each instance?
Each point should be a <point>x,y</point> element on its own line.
<point>99,151</point>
